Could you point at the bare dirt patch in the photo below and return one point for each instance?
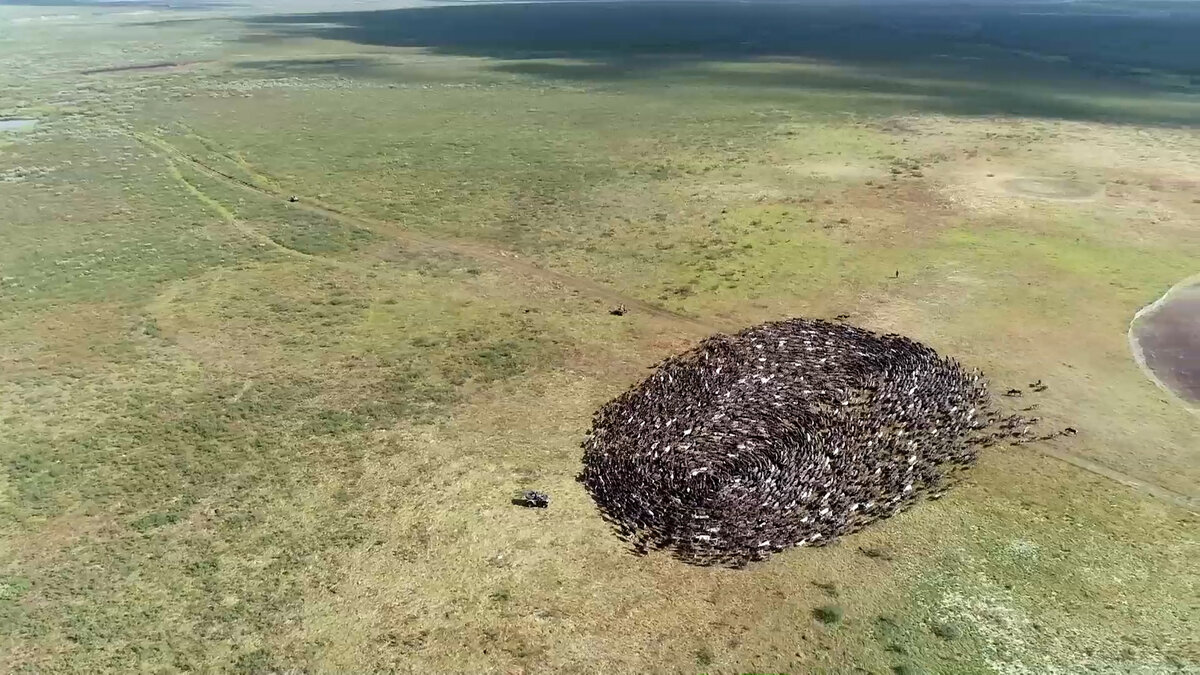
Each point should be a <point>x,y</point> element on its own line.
<point>1057,189</point>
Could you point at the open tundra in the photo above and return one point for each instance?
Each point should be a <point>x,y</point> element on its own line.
<point>295,298</point>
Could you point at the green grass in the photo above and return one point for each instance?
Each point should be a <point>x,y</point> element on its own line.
<point>241,434</point>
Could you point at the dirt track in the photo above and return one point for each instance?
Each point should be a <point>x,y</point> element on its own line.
<point>469,249</point>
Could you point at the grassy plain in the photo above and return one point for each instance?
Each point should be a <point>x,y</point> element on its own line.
<point>243,434</point>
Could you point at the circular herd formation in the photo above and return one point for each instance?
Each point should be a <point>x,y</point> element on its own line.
<point>787,434</point>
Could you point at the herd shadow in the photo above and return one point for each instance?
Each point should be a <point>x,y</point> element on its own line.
<point>1033,58</point>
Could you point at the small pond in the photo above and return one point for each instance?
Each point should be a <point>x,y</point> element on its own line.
<point>17,124</point>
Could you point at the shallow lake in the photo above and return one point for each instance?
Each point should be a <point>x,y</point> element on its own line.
<point>1165,338</point>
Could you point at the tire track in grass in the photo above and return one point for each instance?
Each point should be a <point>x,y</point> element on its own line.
<point>227,215</point>
<point>232,156</point>
<point>469,249</point>
<point>512,261</point>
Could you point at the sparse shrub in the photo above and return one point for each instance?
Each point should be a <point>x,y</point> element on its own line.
<point>877,552</point>
<point>257,661</point>
<point>154,520</point>
<point>829,614</point>
<point>947,631</point>
<point>830,588</point>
